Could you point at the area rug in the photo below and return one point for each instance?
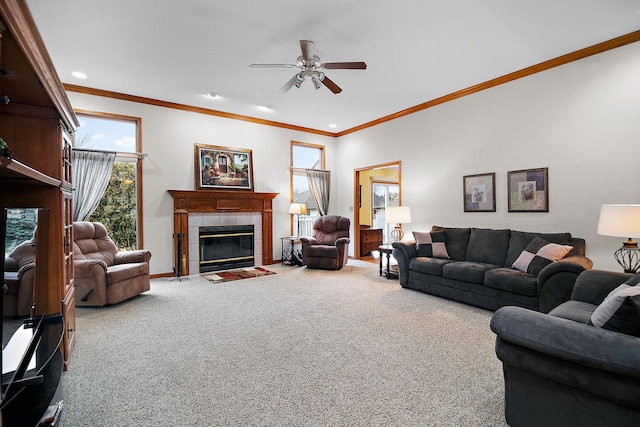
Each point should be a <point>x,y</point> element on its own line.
<point>241,273</point>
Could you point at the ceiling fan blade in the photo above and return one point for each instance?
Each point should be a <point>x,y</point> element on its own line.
<point>307,49</point>
<point>331,85</point>
<point>345,66</point>
<point>288,85</point>
<point>272,66</point>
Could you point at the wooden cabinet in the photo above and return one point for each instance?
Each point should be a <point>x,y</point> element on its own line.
<point>370,239</point>
<point>38,123</point>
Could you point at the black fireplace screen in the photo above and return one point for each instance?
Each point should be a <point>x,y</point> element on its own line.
<point>226,246</point>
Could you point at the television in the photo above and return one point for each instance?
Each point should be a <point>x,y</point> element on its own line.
<point>31,363</point>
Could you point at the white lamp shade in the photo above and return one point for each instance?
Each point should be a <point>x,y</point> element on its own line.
<point>298,208</point>
<point>398,215</point>
<point>619,221</point>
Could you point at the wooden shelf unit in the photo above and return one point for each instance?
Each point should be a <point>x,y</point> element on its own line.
<point>38,125</point>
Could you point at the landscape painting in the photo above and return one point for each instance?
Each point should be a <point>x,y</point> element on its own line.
<point>223,168</point>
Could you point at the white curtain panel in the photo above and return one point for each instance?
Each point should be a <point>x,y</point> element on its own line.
<point>319,183</point>
<point>91,174</point>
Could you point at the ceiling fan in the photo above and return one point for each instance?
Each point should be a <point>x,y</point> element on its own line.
<point>311,68</point>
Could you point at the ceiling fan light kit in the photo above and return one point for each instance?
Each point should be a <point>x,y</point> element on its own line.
<point>311,66</point>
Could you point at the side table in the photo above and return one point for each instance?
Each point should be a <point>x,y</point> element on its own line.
<point>293,246</point>
<point>386,250</point>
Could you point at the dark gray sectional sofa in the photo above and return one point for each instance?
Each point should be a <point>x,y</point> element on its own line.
<point>561,370</point>
<point>478,270</point>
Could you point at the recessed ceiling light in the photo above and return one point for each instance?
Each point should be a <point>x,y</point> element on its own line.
<point>79,75</point>
<point>214,95</point>
<point>333,125</point>
<point>265,107</point>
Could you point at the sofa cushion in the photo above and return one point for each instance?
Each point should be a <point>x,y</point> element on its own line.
<point>432,266</point>
<point>519,240</point>
<point>620,311</point>
<point>456,240</point>
<point>510,280</point>
<point>431,244</point>
<point>465,271</point>
<point>578,311</point>
<point>122,272</point>
<point>538,254</point>
<point>321,251</point>
<point>488,246</point>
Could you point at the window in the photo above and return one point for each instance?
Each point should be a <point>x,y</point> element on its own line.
<point>120,209</point>
<point>304,156</point>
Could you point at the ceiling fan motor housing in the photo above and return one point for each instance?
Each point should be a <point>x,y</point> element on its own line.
<point>309,64</point>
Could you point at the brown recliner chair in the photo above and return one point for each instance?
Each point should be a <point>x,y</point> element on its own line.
<point>327,249</point>
<point>102,274</point>
<point>19,276</point>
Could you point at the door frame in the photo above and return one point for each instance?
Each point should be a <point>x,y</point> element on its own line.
<point>357,193</point>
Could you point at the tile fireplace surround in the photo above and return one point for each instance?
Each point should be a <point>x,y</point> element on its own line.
<point>193,209</point>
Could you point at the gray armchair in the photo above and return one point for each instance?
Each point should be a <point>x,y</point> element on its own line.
<point>328,248</point>
<point>560,370</point>
<point>19,276</point>
<point>102,274</point>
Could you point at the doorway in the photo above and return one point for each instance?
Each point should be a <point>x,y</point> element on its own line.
<point>376,188</point>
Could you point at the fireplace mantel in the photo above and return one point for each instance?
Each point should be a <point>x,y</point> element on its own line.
<point>185,201</point>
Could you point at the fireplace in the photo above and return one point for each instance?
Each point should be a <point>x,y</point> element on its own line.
<point>226,246</point>
<point>193,209</point>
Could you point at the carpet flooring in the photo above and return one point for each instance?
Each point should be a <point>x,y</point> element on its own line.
<point>304,348</point>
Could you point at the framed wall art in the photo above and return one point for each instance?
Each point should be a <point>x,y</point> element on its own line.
<point>528,190</point>
<point>479,192</point>
<point>223,168</point>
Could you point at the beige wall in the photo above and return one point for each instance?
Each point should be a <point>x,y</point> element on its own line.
<point>581,120</point>
<point>168,137</point>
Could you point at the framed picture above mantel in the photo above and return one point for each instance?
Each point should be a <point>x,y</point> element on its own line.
<point>223,168</point>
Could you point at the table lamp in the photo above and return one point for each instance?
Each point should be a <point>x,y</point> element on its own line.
<point>397,215</point>
<point>622,221</point>
<point>297,209</point>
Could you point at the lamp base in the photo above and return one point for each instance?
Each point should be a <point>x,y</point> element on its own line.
<point>396,234</point>
<point>628,258</point>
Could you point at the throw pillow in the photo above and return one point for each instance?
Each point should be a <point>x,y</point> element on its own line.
<point>538,254</point>
<point>423,243</point>
<point>432,242</point>
<point>620,311</point>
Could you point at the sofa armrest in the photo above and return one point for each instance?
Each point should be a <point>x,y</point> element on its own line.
<point>11,264</point>
<point>89,268</point>
<point>555,282</point>
<point>573,264</point>
<point>594,285</point>
<point>568,340</point>
<point>22,270</point>
<point>342,243</point>
<point>403,252</point>
<point>127,257</point>
<point>308,241</point>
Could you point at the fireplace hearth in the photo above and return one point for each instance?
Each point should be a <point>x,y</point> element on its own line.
<point>226,246</point>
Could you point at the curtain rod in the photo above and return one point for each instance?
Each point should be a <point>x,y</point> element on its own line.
<point>309,169</point>
<point>117,153</point>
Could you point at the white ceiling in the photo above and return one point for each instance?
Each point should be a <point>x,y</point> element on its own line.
<point>416,50</point>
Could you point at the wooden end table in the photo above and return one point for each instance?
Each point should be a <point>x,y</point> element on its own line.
<point>386,250</point>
